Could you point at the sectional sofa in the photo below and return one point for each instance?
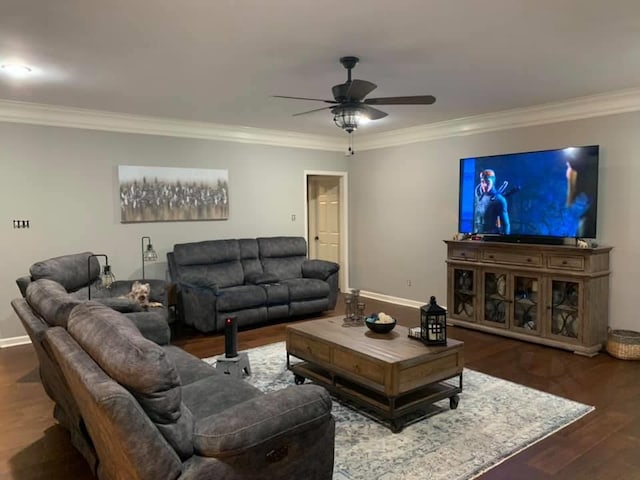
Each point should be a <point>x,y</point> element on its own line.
<point>139,410</point>
<point>74,273</point>
<point>256,280</point>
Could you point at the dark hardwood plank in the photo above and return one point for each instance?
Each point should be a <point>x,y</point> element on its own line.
<point>601,445</point>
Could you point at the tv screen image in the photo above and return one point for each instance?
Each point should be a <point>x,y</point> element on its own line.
<point>549,193</point>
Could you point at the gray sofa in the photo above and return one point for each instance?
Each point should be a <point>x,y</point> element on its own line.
<point>256,280</point>
<point>139,410</point>
<point>75,272</point>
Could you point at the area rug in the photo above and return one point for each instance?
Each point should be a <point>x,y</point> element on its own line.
<point>495,420</point>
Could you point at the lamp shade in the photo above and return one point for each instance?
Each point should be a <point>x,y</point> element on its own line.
<point>106,277</point>
<point>148,253</point>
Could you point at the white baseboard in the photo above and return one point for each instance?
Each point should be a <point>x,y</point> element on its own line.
<point>14,341</point>
<point>388,298</point>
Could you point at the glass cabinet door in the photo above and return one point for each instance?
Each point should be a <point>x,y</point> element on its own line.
<point>464,294</point>
<point>496,299</point>
<point>526,311</point>
<point>565,309</point>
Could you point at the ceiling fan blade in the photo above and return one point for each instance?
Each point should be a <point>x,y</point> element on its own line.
<point>353,91</point>
<point>358,89</point>
<point>415,100</point>
<point>311,111</point>
<point>372,113</point>
<point>305,98</point>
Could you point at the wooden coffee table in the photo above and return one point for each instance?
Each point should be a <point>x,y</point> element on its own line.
<point>388,374</point>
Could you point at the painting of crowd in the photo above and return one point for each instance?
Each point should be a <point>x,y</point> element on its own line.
<point>155,198</point>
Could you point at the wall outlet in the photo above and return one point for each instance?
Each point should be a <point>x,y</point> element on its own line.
<point>21,224</point>
<point>293,217</point>
<point>408,283</point>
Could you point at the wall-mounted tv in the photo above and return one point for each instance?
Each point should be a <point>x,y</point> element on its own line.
<point>549,193</point>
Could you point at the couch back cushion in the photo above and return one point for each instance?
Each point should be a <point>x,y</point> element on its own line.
<point>210,262</point>
<point>250,256</point>
<point>283,256</point>
<point>71,271</point>
<point>51,301</point>
<point>127,442</point>
<point>139,365</point>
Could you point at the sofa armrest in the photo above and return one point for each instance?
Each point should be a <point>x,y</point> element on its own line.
<point>23,283</point>
<point>197,305</point>
<point>320,269</point>
<point>254,422</point>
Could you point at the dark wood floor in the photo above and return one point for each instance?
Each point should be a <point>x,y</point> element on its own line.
<point>603,445</point>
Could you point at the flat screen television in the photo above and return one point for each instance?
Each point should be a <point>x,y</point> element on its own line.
<point>550,194</point>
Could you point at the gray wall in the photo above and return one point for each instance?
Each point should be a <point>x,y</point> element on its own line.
<point>65,181</point>
<point>404,203</point>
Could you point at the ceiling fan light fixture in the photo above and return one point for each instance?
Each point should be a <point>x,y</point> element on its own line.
<point>349,118</point>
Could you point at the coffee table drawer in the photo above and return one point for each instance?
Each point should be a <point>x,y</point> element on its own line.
<point>308,349</point>
<point>360,366</point>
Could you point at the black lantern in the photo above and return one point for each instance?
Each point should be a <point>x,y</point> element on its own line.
<point>433,323</point>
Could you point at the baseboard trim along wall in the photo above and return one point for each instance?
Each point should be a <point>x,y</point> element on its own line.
<point>14,341</point>
<point>388,298</point>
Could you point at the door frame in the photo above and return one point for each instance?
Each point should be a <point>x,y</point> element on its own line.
<point>344,218</point>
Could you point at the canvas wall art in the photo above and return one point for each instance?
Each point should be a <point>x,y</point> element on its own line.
<point>166,194</point>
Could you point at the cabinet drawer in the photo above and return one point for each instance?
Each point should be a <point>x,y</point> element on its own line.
<point>514,258</point>
<point>359,365</point>
<point>309,349</point>
<point>462,253</point>
<point>568,262</point>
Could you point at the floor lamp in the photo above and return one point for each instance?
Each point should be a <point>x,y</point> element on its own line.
<point>106,277</point>
<point>148,254</point>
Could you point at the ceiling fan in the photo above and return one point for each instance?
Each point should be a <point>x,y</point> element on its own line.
<point>350,108</point>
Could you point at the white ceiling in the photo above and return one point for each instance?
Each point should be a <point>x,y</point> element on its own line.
<point>221,60</point>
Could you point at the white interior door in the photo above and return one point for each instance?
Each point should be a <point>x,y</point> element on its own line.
<point>324,217</point>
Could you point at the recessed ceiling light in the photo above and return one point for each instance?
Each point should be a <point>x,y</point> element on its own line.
<point>16,70</point>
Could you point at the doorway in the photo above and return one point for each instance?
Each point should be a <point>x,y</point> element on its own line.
<point>326,219</point>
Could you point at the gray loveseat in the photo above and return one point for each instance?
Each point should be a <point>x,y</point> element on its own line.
<point>138,410</point>
<point>256,280</point>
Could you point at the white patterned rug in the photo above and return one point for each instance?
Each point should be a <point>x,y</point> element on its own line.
<point>494,420</point>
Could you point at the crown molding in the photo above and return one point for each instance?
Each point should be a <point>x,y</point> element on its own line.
<point>40,114</point>
<point>612,103</point>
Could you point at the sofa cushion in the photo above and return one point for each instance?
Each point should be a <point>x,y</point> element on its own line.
<point>139,365</point>
<point>70,271</point>
<point>207,252</point>
<point>283,256</point>
<point>122,305</point>
<point>211,395</point>
<point>190,368</point>
<point>261,420</point>
<point>306,288</point>
<point>241,297</point>
<point>274,247</point>
<point>51,301</point>
<point>219,275</point>
<point>250,256</point>
<point>261,278</point>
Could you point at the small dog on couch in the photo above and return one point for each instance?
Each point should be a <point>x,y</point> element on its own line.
<point>140,293</point>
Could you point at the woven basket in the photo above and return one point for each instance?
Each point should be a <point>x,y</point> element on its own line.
<point>624,344</point>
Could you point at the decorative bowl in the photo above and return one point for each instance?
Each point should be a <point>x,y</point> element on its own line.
<point>379,327</point>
